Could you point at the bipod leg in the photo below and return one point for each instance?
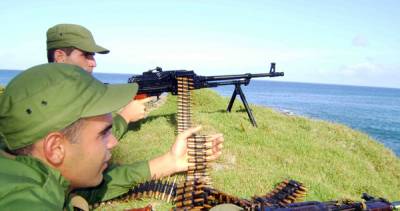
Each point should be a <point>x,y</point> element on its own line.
<point>238,89</point>
<point>232,100</point>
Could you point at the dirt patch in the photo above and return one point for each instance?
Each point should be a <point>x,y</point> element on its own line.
<point>228,161</point>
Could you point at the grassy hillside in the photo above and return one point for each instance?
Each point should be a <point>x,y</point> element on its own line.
<point>332,160</point>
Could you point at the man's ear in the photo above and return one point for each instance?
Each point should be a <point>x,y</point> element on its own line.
<point>54,148</point>
<point>59,56</point>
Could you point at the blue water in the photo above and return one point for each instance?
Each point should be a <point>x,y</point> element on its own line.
<point>375,111</point>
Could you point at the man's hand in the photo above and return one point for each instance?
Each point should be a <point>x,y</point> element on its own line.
<point>179,149</point>
<point>176,160</point>
<point>135,110</point>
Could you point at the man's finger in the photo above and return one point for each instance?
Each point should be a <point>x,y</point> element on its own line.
<point>187,133</point>
<point>214,156</point>
<point>145,100</point>
<point>216,136</point>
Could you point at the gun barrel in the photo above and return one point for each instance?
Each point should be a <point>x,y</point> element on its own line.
<point>223,83</point>
<point>240,76</point>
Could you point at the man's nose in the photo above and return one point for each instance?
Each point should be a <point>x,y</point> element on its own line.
<point>112,142</point>
<point>92,61</point>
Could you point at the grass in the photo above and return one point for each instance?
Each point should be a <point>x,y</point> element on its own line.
<point>331,160</point>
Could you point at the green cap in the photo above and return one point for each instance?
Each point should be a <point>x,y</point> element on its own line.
<point>50,97</point>
<point>72,35</point>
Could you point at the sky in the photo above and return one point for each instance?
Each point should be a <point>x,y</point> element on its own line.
<point>353,42</point>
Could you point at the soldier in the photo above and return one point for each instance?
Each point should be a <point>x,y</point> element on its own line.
<point>55,141</point>
<point>74,44</point>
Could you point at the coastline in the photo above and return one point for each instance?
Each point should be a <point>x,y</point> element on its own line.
<point>292,114</point>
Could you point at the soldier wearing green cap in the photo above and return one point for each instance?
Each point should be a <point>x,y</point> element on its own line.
<point>55,141</point>
<point>74,44</point>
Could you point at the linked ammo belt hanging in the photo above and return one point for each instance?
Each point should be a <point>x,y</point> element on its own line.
<point>190,193</point>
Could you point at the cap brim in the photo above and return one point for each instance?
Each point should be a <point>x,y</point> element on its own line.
<point>101,50</point>
<point>115,97</point>
<point>93,49</point>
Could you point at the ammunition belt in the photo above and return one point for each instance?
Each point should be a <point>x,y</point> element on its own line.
<point>201,197</point>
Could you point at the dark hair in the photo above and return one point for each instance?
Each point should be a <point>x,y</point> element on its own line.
<point>50,53</point>
<point>71,132</point>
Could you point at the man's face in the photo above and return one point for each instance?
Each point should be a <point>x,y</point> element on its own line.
<point>86,159</point>
<point>82,59</point>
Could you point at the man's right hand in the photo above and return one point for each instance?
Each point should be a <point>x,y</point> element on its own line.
<point>135,110</point>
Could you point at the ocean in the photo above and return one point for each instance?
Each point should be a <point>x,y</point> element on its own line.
<point>375,111</point>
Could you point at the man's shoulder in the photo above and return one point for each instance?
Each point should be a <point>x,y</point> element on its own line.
<point>16,176</point>
<point>26,181</point>
<point>21,168</point>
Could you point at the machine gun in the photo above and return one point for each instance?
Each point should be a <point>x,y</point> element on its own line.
<point>156,81</point>
<point>370,203</point>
